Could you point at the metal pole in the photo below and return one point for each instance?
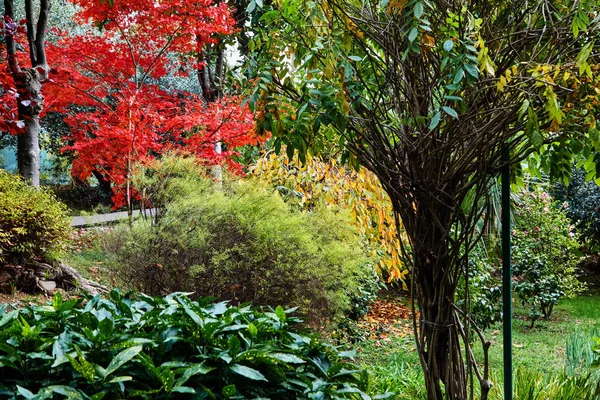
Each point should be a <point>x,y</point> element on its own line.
<point>506,276</point>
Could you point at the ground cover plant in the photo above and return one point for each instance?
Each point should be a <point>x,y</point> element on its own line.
<point>154,348</point>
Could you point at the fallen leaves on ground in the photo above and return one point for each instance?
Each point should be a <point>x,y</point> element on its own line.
<point>385,319</point>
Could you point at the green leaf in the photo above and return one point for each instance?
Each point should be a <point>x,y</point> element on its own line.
<point>448,45</point>
<point>57,301</point>
<point>287,358</point>
<point>536,139</point>
<point>248,372</point>
<point>196,369</point>
<point>471,70</point>
<point>25,393</point>
<point>229,390</point>
<point>184,389</point>
<point>185,302</point>
<point>280,312</point>
<point>67,391</point>
<point>252,329</point>
<point>418,11</point>
<point>6,318</point>
<point>412,34</point>
<point>450,111</point>
<point>123,357</point>
<point>523,109</point>
<point>355,58</point>
<point>251,7</point>
<point>120,379</point>
<point>435,120</point>
<point>458,75</point>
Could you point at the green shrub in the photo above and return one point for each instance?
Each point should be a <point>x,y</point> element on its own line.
<point>157,348</point>
<point>244,244</point>
<point>545,254</point>
<point>32,222</point>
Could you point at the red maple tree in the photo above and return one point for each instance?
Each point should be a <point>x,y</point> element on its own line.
<point>106,83</point>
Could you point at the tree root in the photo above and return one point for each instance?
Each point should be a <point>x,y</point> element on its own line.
<point>46,278</point>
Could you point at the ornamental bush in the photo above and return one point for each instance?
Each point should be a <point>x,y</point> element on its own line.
<point>32,222</point>
<point>545,253</point>
<point>136,346</point>
<point>245,244</point>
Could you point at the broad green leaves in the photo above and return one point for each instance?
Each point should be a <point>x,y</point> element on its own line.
<point>161,346</point>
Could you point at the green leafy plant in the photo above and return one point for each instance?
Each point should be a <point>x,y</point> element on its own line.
<point>32,222</point>
<point>545,254</point>
<point>245,244</point>
<point>532,385</point>
<point>580,350</point>
<point>156,348</point>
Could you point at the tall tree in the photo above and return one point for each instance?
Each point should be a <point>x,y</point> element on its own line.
<point>124,115</point>
<point>426,94</point>
<point>27,81</point>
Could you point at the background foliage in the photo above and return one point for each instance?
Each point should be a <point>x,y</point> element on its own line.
<point>315,183</point>
<point>582,202</point>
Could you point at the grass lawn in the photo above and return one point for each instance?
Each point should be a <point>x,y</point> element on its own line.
<point>394,365</point>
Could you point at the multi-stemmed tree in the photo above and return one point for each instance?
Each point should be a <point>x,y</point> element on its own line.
<point>426,94</point>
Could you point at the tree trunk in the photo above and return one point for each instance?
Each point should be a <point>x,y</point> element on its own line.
<point>28,82</point>
<point>31,103</point>
<point>441,332</point>
<point>439,338</point>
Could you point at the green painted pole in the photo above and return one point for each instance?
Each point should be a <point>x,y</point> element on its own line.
<point>506,277</point>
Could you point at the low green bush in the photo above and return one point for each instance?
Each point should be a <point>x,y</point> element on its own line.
<point>32,222</point>
<point>136,346</point>
<point>245,244</point>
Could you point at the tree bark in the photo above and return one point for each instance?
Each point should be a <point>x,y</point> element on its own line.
<point>28,83</point>
<point>29,86</point>
<point>438,336</point>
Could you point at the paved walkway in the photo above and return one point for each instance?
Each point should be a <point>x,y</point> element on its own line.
<point>81,222</point>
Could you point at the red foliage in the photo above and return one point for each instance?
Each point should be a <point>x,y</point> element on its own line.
<point>9,96</point>
<point>107,85</point>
